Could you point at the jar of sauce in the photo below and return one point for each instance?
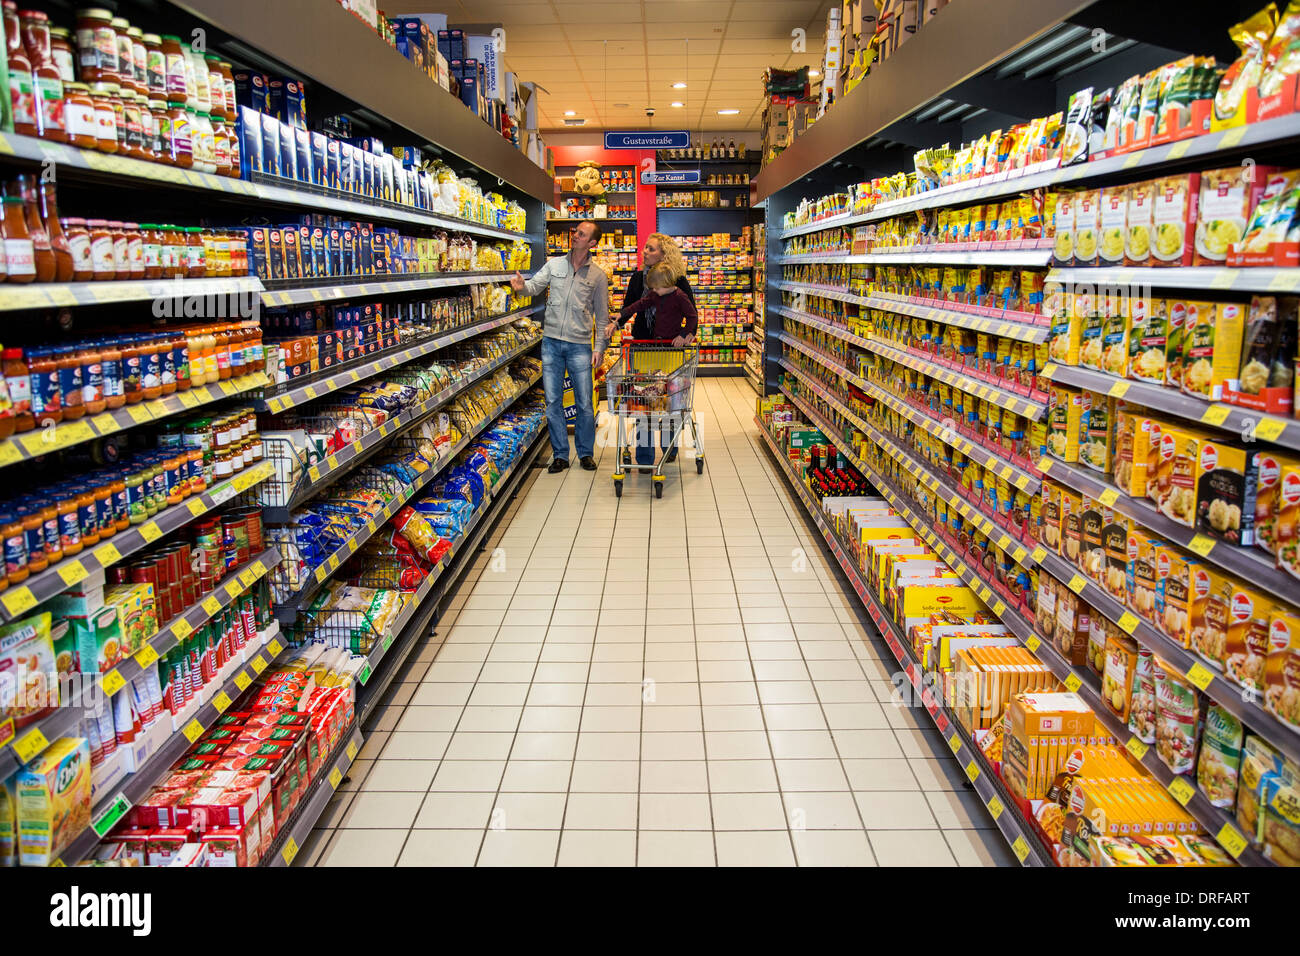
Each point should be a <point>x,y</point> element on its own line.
<point>125,51</point>
<point>137,508</point>
<point>155,66</point>
<point>96,45</point>
<point>79,115</point>
<point>232,135</point>
<point>221,147</point>
<point>19,383</point>
<point>46,80</point>
<point>22,91</point>
<point>195,266</point>
<point>101,250</point>
<point>92,378</point>
<point>224,345</point>
<point>20,254</point>
<point>47,398</point>
<point>65,502</point>
<point>167,363</point>
<point>64,265</point>
<point>162,131</point>
<point>204,143</point>
<point>87,515</point>
<point>180,347</point>
<point>132,131</point>
<point>119,115</point>
<point>139,60</point>
<point>70,384</point>
<point>132,371</point>
<point>110,357</point>
<point>150,366</point>
<point>63,54</point>
<point>121,267</point>
<point>222,245</point>
<point>182,134</point>
<point>223,466</point>
<point>105,117</point>
<point>216,86</point>
<point>148,126</point>
<point>151,250</point>
<point>198,71</point>
<point>174,84</point>
<point>15,546</point>
<point>100,488</point>
<point>228,78</point>
<point>121,513</point>
<point>83,269</point>
<point>42,252</point>
<point>134,249</point>
<point>33,535</point>
<point>194,467</point>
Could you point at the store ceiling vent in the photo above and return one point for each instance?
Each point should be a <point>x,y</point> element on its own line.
<point>575,121</point>
<point>1064,50</point>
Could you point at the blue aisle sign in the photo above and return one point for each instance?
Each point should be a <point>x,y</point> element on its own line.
<point>665,178</point>
<point>647,139</point>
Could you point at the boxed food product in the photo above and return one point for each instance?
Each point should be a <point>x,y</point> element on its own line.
<point>1065,337</point>
<point>1087,227</point>
<point>1138,224</point>
<point>1137,444</point>
<point>1173,218</point>
<point>1142,699</point>
<point>1063,249</point>
<point>1282,669</point>
<point>1114,541</point>
<point>1121,657</point>
<point>1141,573</point>
<point>1091,336</point>
<point>29,686</point>
<point>1115,332</point>
<point>1232,609</point>
<point>1073,624</point>
<point>1211,354</point>
<point>1148,339</point>
<point>1286,523</point>
<point>1227,483</point>
<point>1036,724</point>
<point>1097,431</point>
<point>1049,529</point>
<point>1114,223</point>
<point>53,800</point>
<point>1245,654</point>
<point>1071,526</point>
<point>1176,713</point>
<point>1266,379</point>
<point>1064,415</point>
<point>1092,555</point>
<point>1182,588</point>
<point>1226,198</point>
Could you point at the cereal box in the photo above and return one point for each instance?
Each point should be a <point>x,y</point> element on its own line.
<point>1282,669</point>
<point>1226,494</point>
<point>1212,348</point>
<point>53,800</point>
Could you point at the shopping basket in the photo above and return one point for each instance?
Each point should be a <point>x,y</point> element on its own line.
<point>654,381</point>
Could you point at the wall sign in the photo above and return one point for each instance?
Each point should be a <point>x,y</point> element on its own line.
<point>665,178</point>
<point>647,139</point>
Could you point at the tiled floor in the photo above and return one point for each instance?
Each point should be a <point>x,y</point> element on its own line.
<point>681,682</point>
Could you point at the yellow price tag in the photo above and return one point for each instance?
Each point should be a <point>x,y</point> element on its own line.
<point>998,608</point>
<point>995,807</point>
<point>72,572</point>
<point>1033,643</point>
<point>113,682</point>
<point>954,743</point>
<point>1077,583</point>
<point>30,744</point>
<point>1038,554</point>
<point>310,391</point>
<point>1049,369</point>
<point>1230,839</point>
<point>335,778</point>
<point>972,770</point>
<point>1018,555</point>
<point>242,680</point>
<point>146,656</point>
<point>1108,497</point>
<point>211,605</point>
<point>1201,544</point>
<point>196,506</point>
<point>150,531</point>
<point>1216,415</point>
<point>275,647</point>
<point>193,731</point>
<point>259,664</point>
<point>314,473</point>
<point>351,750</point>
<point>107,554</point>
<point>18,601</point>
<point>188,399</point>
<point>1181,789</point>
<point>1136,747</point>
<point>1270,429</point>
<point>182,629</point>
<point>221,702</point>
<point>139,413</point>
<point>9,453</point>
<point>289,851</point>
<point>1044,464</point>
<point>1128,622</point>
<point>1073,683</point>
<point>1200,675</point>
<point>332,462</point>
<point>1020,848</point>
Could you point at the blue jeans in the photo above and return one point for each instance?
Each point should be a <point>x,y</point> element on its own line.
<point>645,442</point>
<point>558,356</point>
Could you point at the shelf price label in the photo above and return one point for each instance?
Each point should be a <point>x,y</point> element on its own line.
<point>18,601</point>
<point>1216,415</point>
<point>1033,643</point>
<point>211,606</point>
<point>275,648</point>
<point>1201,544</point>
<point>1038,554</point>
<point>1073,683</point>
<point>193,731</point>
<point>1108,497</point>
<point>242,680</point>
<point>259,664</point>
<point>1270,429</point>
<point>954,743</point>
<point>1230,839</point>
<point>1128,622</point>
<point>107,554</point>
<point>113,682</point>
<point>30,744</point>
<point>995,807</point>
<point>1020,848</point>
<point>1200,675</point>
<point>1077,583</point>
<point>335,778</point>
<point>1136,747</point>
<point>351,750</point>
<point>289,851</point>
<point>1181,789</point>
<point>146,656</point>
<point>972,770</point>
<point>221,702</point>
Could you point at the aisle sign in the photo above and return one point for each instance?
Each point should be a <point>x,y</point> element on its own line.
<point>647,139</point>
<point>683,177</point>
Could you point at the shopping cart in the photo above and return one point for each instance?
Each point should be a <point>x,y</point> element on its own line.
<point>655,382</point>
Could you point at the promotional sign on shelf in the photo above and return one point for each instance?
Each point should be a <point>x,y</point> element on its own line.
<point>666,178</point>
<point>647,139</point>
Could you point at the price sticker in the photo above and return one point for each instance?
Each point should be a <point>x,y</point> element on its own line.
<point>1201,544</point>
<point>189,399</point>
<point>310,391</point>
<point>1230,839</point>
<point>111,814</point>
<point>233,589</point>
<point>1108,497</point>
<point>211,605</point>
<point>72,572</point>
<point>139,413</point>
<point>1270,429</point>
<point>150,531</point>
<point>1044,464</point>
<point>335,778</point>
<point>289,851</point>
<point>1128,622</point>
<point>107,554</point>
<point>351,750</point>
<point>1216,415</point>
<point>221,702</point>
<point>1022,482</point>
<point>196,506</point>
<point>242,680</point>
<point>1179,149</point>
<point>1073,683</point>
<point>113,682</point>
<point>1033,643</point>
<point>1200,675</point>
<point>364,674</point>
<point>1077,583</point>
<point>972,770</point>
<point>1020,847</point>
<point>193,731</point>
<point>146,656</point>
<point>998,608</point>
<point>985,594</point>
<point>18,601</point>
<point>275,647</point>
<point>1181,789</point>
<point>995,807</point>
<point>182,629</point>
<point>30,744</point>
<point>259,664</point>
<point>9,453</point>
<point>314,473</point>
<point>954,743</point>
<point>1049,369</point>
<point>1136,747</point>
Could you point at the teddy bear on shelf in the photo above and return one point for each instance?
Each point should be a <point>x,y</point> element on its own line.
<point>586,179</point>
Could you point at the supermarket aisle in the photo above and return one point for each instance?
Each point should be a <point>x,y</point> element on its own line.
<point>638,682</point>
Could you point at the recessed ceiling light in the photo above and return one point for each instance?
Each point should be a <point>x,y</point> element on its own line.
<point>679,85</point>
<point>620,106</point>
<point>813,73</point>
<point>728,112</point>
<point>570,113</point>
<point>677,105</point>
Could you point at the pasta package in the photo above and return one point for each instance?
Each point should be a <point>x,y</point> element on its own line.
<point>1223,209</point>
<point>1173,219</point>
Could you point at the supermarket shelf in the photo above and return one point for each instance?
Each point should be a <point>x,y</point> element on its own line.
<point>43,441</point>
<point>994,395</point>
<point>630,219</point>
<point>1232,418</point>
<point>304,819</point>
<point>753,378</point>
<point>720,369</point>
<point>1014,829</point>
<point>822,325</point>
<point>697,187</point>
<point>419,608</point>
<point>328,291</point>
<point>826,361</point>
<point>751,158</point>
<point>704,208</point>
<point>1212,682</point>
<point>300,394</point>
<point>344,460</point>
<point>1249,563</point>
<point>39,295</point>
<point>1040,256</point>
<point>15,602</point>
<point>823,292</point>
<point>93,164</point>
<point>937,484</point>
<point>1216,278</point>
<point>31,740</point>
<point>289,611</point>
<point>722,288</point>
<point>1024,479</point>
<point>136,786</point>
<point>830,222</point>
<point>607,192</point>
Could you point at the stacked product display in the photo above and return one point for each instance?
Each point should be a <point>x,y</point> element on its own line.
<point>182,676</point>
<point>754,348</point>
<point>720,269</point>
<point>1075,399</point>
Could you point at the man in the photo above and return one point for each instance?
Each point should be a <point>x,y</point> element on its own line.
<point>578,302</point>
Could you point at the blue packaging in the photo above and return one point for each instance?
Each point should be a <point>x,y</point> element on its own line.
<point>319,163</point>
<point>271,146</point>
<point>251,90</point>
<point>304,252</point>
<point>292,258</point>
<point>469,93</point>
<point>275,253</point>
<point>258,251</point>
<point>369,184</point>
<point>302,144</point>
<point>250,142</point>
<point>320,266</point>
<point>288,152</point>
<point>386,164</point>
<point>334,252</point>
<point>294,103</point>
<point>333,174</point>
<point>275,99</point>
<point>349,262</point>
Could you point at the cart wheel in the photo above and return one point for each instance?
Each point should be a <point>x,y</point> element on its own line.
<point>618,489</point>
<point>627,457</point>
<point>699,466</point>
<point>659,489</point>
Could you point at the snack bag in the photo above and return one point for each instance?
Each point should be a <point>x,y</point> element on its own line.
<point>1251,37</point>
<point>1220,760</point>
<point>1176,704</point>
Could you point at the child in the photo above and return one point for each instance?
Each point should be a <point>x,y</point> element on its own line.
<point>670,313</point>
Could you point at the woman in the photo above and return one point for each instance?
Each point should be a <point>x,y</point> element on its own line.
<point>658,248</point>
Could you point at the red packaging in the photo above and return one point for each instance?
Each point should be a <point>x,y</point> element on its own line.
<point>159,809</point>
<point>235,808</point>
<point>227,846</point>
<point>164,844</point>
<point>134,842</point>
<point>187,779</point>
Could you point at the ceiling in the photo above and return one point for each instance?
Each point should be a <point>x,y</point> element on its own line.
<point>590,56</point>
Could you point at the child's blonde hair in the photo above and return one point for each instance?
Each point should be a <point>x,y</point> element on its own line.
<point>660,276</point>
